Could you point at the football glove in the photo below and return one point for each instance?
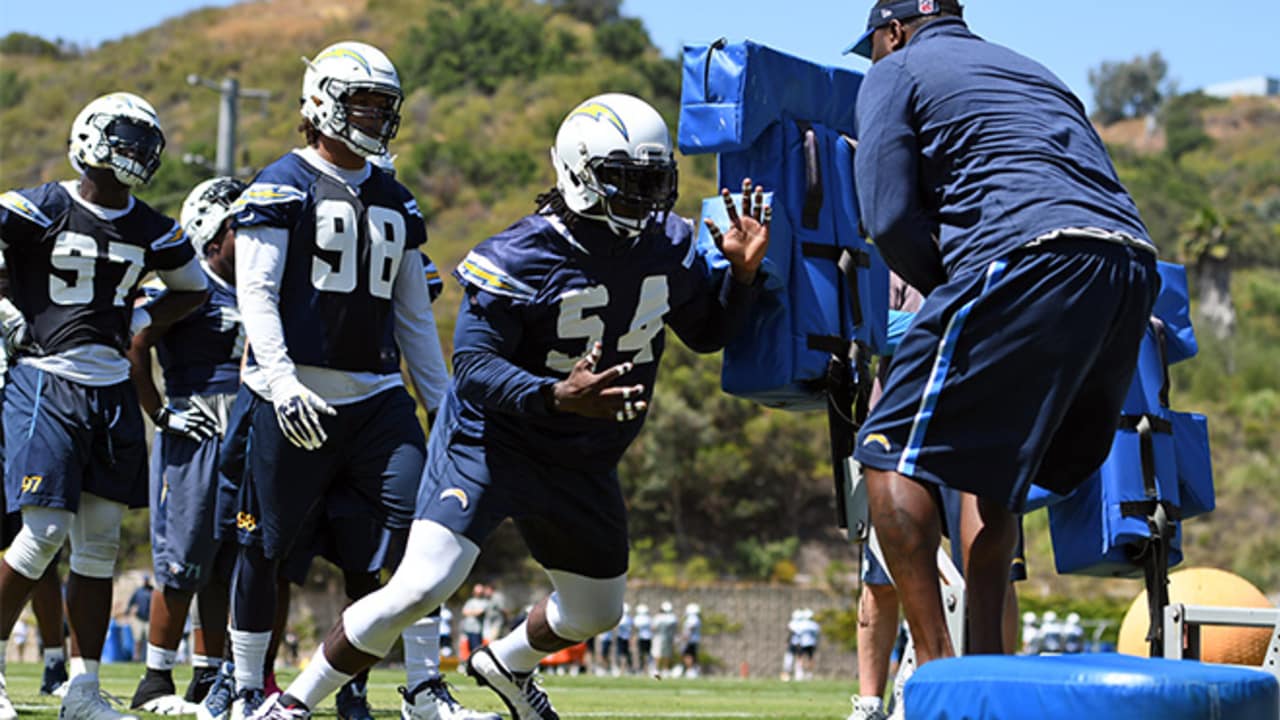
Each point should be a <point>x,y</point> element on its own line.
<point>194,422</point>
<point>298,413</point>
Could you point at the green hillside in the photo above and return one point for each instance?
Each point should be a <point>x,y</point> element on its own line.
<point>717,486</point>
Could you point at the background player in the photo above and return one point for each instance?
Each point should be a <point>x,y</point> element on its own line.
<point>76,447</point>
<point>530,429</point>
<point>200,359</point>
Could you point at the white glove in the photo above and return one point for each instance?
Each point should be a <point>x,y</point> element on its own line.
<point>194,422</point>
<point>296,411</point>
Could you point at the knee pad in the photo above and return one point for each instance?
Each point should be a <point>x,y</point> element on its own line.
<point>436,562</point>
<point>37,544</point>
<point>95,537</point>
<point>582,607</point>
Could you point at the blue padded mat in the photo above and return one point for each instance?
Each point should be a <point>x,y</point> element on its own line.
<point>1100,686</point>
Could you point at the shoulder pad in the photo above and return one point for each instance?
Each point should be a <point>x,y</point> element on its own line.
<point>20,205</point>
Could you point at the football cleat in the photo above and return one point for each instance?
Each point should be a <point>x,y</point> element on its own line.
<point>353,700</point>
<point>55,674</point>
<point>85,700</point>
<point>7,711</point>
<point>520,691</point>
<point>431,700</point>
<point>866,709</point>
<point>202,678</point>
<point>221,694</point>
<point>272,709</point>
<point>247,703</point>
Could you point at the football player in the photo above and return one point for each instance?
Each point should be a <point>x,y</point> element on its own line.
<point>556,350</point>
<point>200,359</point>
<point>76,446</point>
<point>332,293</point>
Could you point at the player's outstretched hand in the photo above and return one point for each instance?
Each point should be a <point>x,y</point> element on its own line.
<point>298,412</point>
<point>590,394</point>
<point>193,423</point>
<point>747,239</point>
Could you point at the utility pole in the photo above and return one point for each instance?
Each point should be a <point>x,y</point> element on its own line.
<point>228,115</point>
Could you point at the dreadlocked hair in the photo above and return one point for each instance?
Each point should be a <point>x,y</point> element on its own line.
<point>309,132</point>
<point>552,201</point>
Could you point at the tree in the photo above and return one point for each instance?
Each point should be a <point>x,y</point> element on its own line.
<point>623,40</point>
<point>596,12</point>
<point>20,43</point>
<point>1205,246</point>
<point>1183,124</point>
<point>1128,89</point>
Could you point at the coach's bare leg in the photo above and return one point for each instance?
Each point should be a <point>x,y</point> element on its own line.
<point>989,533</point>
<point>877,630</point>
<point>905,516</point>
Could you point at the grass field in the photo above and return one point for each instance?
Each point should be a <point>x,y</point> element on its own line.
<point>583,697</point>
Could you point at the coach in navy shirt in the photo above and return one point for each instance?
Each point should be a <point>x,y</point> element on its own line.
<point>983,184</point>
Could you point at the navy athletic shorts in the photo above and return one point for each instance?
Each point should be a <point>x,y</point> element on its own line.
<point>375,448</point>
<point>1016,375</point>
<point>63,439</point>
<point>572,520</point>
<point>347,533</point>
<point>185,481</point>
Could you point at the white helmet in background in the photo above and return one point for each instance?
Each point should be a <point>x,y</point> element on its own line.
<point>1049,616</point>
<point>797,615</point>
<point>614,162</point>
<point>119,132</point>
<point>666,606</point>
<point>1028,618</point>
<point>642,609</point>
<point>692,609</point>
<point>206,207</point>
<point>333,76</point>
<point>1073,619</point>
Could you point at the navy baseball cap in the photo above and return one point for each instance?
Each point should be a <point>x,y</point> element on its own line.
<point>882,15</point>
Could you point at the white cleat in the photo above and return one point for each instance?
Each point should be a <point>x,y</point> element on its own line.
<point>866,709</point>
<point>7,711</point>
<point>85,700</point>
<point>519,691</point>
<point>169,705</point>
<point>431,700</point>
<point>271,709</point>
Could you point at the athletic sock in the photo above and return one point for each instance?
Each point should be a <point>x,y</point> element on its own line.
<point>421,651</point>
<point>250,652</point>
<point>318,681</point>
<point>515,652</point>
<point>80,666</point>
<point>162,659</point>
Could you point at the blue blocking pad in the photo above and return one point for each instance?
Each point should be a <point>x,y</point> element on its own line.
<point>787,124</point>
<point>1094,686</point>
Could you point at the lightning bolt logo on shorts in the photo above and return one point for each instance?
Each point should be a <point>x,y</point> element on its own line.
<point>878,439</point>
<point>456,494</point>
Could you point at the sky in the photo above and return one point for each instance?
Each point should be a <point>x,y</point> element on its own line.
<point>1202,46</point>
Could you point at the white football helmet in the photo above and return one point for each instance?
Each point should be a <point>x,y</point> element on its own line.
<point>206,207</point>
<point>119,132</point>
<point>614,162</point>
<point>692,609</point>
<point>666,606</point>
<point>333,76</point>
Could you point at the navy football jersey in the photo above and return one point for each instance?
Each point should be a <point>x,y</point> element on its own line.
<point>72,273</point>
<point>570,289</point>
<point>200,354</point>
<point>345,248</point>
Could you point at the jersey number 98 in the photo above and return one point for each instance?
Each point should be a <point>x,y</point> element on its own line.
<point>337,231</point>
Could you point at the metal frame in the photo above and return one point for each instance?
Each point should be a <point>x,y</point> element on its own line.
<point>1180,618</point>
